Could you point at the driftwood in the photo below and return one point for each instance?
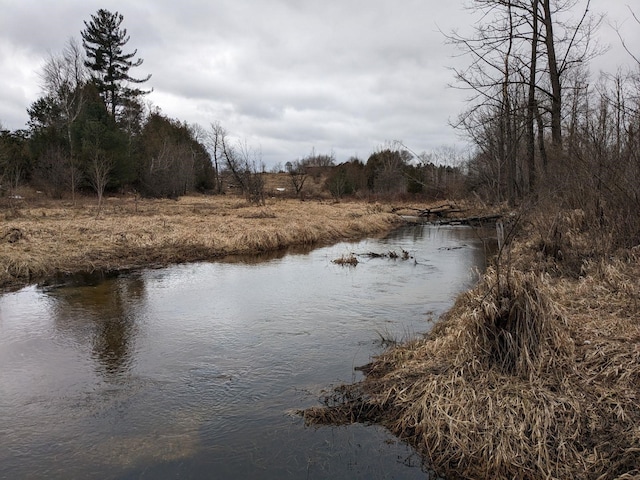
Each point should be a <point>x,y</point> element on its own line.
<point>444,215</point>
<point>392,254</point>
<point>470,220</point>
<point>439,211</point>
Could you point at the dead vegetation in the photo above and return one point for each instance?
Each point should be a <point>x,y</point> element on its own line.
<point>349,260</point>
<point>391,254</point>
<point>535,373</point>
<point>41,238</point>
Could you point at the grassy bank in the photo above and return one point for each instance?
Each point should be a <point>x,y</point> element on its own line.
<point>535,373</point>
<point>39,239</point>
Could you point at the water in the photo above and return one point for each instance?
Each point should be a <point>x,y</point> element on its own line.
<point>193,371</point>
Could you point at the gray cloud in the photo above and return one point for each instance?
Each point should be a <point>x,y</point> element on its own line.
<point>286,75</point>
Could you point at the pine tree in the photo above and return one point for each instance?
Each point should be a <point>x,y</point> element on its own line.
<point>103,40</point>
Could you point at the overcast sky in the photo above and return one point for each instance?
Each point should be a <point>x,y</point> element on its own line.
<point>287,76</point>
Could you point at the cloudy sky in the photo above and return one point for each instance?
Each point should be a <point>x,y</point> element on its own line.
<point>287,76</point>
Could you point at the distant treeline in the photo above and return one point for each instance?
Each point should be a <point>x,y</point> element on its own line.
<point>91,131</point>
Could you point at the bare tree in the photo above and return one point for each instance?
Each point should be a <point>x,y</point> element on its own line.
<point>64,77</point>
<point>568,44</point>
<point>242,162</point>
<point>53,173</point>
<point>507,132</point>
<point>14,160</point>
<point>234,162</point>
<point>554,76</point>
<point>170,171</point>
<point>298,174</point>
<point>251,167</point>
<point>495,79</point>
<point>531,96</point>
<point>386,170</point>
<point>623,41</point>
<point>319,160</point>
<point>337,183</point>
<point>100,164</point>
<point>519,65</point>
<point>216,139</point>
<point>99,171</point>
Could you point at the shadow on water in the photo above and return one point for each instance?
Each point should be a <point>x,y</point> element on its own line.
<point>190,371</point>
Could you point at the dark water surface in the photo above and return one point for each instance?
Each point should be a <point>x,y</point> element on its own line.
<point>192,371</point>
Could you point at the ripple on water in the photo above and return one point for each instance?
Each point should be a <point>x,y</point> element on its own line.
<point>194,369</point>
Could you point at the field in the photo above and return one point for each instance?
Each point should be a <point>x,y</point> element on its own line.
<point>41,238</point>
<point>534,373</point>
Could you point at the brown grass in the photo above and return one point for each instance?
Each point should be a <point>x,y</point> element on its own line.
<point>347,260</point>
<point>56,237</point>
<point>529,376</point>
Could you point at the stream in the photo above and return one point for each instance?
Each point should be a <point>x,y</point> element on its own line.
<point>196,370</point>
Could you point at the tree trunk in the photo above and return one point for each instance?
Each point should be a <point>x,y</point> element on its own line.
<point>531,104</point>
<point>554,78</point>
<point>506,118</point>
<point>541,144</point>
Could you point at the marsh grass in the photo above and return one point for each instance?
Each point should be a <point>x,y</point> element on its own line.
<point>532,374</point>
<point>58,237</point>
<point>349,260</point>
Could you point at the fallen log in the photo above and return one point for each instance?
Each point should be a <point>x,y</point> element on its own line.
<point>470,220</point>
<point>439,211</point>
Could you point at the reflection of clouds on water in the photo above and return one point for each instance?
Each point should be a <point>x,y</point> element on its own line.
<point>101,313</point>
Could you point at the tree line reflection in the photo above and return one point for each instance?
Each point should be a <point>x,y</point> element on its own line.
<point>101,314</point>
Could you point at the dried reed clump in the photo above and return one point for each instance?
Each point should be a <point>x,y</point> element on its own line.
<point>515,325</point>
<point>346,260</point>
<point>505,387</point>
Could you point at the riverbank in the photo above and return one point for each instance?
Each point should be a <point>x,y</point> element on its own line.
<point>535,373</point>
<point>40,239</point>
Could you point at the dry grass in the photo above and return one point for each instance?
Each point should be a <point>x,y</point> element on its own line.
<point>347,260</point>
<point>529,376</point>
<point>55,237</point>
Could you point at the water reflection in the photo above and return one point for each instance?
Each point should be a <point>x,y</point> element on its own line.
<point>100,311</point>
<point>189,371</point>
<point>268,256</point>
